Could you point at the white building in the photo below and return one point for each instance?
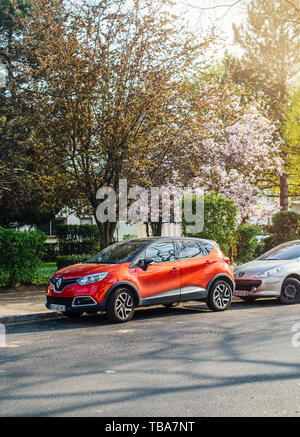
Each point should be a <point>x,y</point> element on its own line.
<point>137,230</point>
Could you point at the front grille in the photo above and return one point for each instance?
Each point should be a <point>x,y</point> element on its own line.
<point>247,284</point>
<point>60,300</point>
<point>64,283</point>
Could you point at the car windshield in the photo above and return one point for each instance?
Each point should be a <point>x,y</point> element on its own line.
<point>117,253</point>
<point>286,251</point>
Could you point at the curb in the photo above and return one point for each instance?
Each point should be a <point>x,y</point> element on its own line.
<point>19,318</point>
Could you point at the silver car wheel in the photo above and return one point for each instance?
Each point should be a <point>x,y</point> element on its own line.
<point>222,295</point>
<point>124,305</point>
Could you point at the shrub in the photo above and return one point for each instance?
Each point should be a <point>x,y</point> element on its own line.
<point>129,236</point>
<point>219,221</point>
<point>77,239</point>
<point>20,254</point>
<point>286,226</point>
<point>50,252</point>
<point>246,243</point>
<point>68,260</point>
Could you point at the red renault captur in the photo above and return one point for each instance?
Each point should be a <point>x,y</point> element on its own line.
<point>143,272</point>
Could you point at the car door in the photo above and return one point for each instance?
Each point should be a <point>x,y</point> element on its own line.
<point>195,269</point>
<point>160,283</point>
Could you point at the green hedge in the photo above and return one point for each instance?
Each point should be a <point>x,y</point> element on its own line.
<point>20,254</point>
<point>220,215</point>
<point>50,252</point>
<point>77,239</point>
<point>246,243</point>
<point>68,260</point>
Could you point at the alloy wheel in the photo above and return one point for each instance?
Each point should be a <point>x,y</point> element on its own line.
<point>222,295</point>
<point>124,305</point>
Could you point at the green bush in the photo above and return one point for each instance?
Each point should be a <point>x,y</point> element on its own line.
<point>68,260</point>
<point>286,226</point>
<point>219,221</point>
<point>77,239</point>
<point>129,236</point>
<point>20,254</point>
<point>50,252</point>
<point>246,243</point>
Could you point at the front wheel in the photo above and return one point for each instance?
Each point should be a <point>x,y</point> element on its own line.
<point>120,306</point>
<point>290,292</point>
<point>219,296</point>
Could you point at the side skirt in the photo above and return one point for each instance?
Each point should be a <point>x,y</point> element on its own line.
<point>177,295</point>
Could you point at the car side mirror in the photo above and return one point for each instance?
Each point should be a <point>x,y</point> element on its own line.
<point>144,263</point>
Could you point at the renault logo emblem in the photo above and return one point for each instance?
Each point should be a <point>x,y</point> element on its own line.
<point>58,282</point>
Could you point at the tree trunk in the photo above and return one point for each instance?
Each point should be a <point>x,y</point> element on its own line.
<point>156,229</point>
<point>106,231</point>
<point>284,192</point>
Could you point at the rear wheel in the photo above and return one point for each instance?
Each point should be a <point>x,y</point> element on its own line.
<point>219,296</point>
<point>120,306</point>
<point>290,292</point>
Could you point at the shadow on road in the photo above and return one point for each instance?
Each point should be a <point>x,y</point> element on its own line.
<point>141,314</point>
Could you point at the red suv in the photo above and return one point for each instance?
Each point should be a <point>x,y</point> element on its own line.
<point>143,272</point>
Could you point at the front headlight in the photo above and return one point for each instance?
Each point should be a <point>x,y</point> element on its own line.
<point>91,279</point>
<point>272,272</point>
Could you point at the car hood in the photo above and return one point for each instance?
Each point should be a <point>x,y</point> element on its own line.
<point>79,270</point>
<point>261,265</point>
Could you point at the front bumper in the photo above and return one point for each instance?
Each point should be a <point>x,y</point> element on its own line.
<point>258,287</point>
<point>77,304</point>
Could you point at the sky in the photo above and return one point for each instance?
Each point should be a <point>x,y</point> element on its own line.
<point>222,17</point>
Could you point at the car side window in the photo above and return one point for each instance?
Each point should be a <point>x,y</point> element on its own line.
<point>161,252</point>
<point>190,249</point>
<point>206,248</point>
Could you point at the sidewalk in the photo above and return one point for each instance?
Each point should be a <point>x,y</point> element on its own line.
<point>23,306</point>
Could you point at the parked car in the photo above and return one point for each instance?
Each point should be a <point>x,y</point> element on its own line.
<point>143,272</point>
<point>276,273</point>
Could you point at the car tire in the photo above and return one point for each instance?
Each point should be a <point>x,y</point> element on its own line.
<point>219,296</point>
<point>72,315</point>
<point>120,306</point>
<point>290,291</point>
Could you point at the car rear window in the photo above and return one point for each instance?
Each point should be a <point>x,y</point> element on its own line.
<point>190,249</point>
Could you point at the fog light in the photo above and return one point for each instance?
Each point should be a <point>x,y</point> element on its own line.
<point>86,300</point>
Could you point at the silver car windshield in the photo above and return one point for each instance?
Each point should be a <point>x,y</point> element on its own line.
<point>286,251</point>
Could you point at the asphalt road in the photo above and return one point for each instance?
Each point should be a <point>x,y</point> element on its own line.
<point>187,361</point>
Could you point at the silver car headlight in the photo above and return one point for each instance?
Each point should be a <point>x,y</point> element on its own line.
<point>273,272</point>
<point>91,279</point>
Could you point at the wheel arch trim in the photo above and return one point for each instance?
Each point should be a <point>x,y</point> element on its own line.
<point>127,284</point>
<point>220,276</point>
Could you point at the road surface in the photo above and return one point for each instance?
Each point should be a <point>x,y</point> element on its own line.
<point>185,362</point>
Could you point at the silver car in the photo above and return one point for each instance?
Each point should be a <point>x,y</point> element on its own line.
<point>276,273</point>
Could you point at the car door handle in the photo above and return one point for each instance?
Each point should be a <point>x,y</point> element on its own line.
<point>174,270</point>
<point>208,262</point>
